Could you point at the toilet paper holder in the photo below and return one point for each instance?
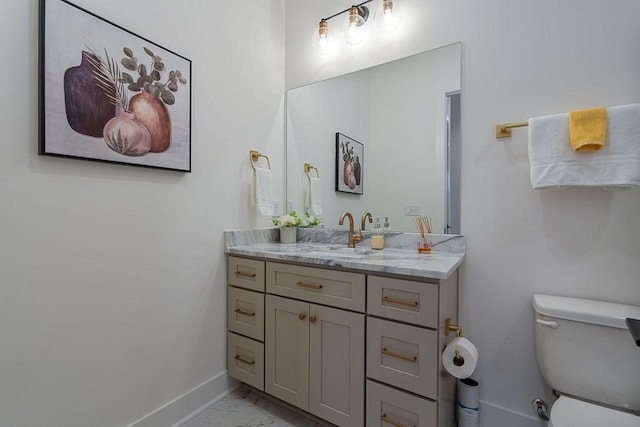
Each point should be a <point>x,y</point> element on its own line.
<point>452,327</point>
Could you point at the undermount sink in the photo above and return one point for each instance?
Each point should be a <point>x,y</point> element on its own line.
<point>339,253</point>
<point>350,251</point>
<point>329,251</point>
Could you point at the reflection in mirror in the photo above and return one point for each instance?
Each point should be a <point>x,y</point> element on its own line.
<point>406,115</point>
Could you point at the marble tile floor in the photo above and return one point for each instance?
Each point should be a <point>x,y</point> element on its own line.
<point>245,407</point>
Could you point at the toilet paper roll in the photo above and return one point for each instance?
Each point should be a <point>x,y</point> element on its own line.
<point>464,366</point>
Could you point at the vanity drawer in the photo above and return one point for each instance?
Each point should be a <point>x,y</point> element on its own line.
<point>245,313</point>
<point>245,360</point>
<point>403,356</point>
<point>404,300</point>
<point>387,406</point>
<point>334,288</point>
<point>246,273</point>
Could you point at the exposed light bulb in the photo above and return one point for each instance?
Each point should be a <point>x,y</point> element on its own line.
<point>388,16</point>
<point>354,30</point>
<point>321,39</point>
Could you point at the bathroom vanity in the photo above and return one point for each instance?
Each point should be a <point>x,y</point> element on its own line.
<point>352,336</point>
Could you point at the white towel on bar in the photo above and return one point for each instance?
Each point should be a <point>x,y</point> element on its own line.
<point>263,198</point>
<point>315,195</point>
<point>554,164</point>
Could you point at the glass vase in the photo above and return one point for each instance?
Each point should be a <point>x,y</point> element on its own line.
<point>423,246</point>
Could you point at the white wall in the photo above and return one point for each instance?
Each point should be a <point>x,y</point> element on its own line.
<point>112,281</point>
<point>520,59</point>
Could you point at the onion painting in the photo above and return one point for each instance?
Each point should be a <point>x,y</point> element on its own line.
<point>126,135</point>
<point>97,101</point>
<point>349,164</point>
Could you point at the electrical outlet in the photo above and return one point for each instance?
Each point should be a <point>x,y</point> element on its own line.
<point>289,205</point>
<point>411,210</point>
<point>276,208</point>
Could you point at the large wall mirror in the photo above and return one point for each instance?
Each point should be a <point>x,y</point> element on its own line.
<point>405,116</point>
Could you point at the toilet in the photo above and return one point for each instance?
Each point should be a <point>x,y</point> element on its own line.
<point>586,353</point>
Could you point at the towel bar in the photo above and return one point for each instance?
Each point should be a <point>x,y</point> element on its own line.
<point>308,168</point>
<point>254,156</point>
<point>504,130</point>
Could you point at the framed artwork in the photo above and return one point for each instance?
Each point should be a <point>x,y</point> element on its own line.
<point>349,165</point>
<point>109,95</point>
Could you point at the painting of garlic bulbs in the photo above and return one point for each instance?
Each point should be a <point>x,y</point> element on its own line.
<point>349,165</point>
<point>111,95</point>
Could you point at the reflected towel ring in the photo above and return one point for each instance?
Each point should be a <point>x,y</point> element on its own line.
<point>308,168</point>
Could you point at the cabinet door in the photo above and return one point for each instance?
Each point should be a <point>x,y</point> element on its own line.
<point>245,313</point>
<point>246,273</point>
<point>388,406</point>
<point>403,356</point>
<point>245,360</point>
<point>287,350</point>
<point>336,365</point>
<point>329,287</point>
<point>403,300</point>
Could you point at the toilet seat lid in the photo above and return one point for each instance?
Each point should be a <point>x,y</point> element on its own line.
<point>573,412</point>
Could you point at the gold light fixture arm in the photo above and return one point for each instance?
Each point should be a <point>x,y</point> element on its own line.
<point>349,10</point>
<point>254,156</point>
<point>504,130</point>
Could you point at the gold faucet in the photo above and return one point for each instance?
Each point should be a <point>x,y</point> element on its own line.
<point>353,236</point>
<point>364,220</point>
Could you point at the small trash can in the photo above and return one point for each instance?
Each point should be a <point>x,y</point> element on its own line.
<point>468,402</point>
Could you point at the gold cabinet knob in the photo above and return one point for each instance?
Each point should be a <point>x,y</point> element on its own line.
<point>301,316</point>
<point>312,319</point>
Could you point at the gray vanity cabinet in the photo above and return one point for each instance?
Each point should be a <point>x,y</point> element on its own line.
<point>313,359</point>
<point>406,384</point>
<point>245,320</point>
<point>298,333</point>
<point>314,352</point>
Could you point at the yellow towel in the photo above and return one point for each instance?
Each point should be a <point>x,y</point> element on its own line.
<point>588,129</point>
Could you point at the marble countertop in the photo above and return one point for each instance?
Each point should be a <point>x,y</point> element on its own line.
<point>436,265</point>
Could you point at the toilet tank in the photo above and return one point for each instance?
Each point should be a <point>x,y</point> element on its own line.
<point>584,349</point>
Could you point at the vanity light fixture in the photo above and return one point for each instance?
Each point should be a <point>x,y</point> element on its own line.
<point>387,17</point>
<point>354,28</point>
<point>321,39</point>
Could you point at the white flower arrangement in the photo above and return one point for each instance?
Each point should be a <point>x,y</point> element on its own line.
<point>293,220</point>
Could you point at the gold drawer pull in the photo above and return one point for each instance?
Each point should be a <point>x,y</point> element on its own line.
<point>308,285</point>
<point>401,302</point>
<point>390,421</point>
<point>246,313</point>
<point>243,274</point>
<point>240,359</point>
<point>399,356</point>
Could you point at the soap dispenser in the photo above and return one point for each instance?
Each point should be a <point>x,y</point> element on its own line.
<point>387,227</point>
<point>377,235</point>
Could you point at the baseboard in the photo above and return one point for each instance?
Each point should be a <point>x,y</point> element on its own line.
<point>496,416</point>
<point>188,405</point>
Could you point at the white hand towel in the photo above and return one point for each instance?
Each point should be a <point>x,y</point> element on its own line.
<point>315,195</point>
<point>555,165</point>
<point>262,191</point>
